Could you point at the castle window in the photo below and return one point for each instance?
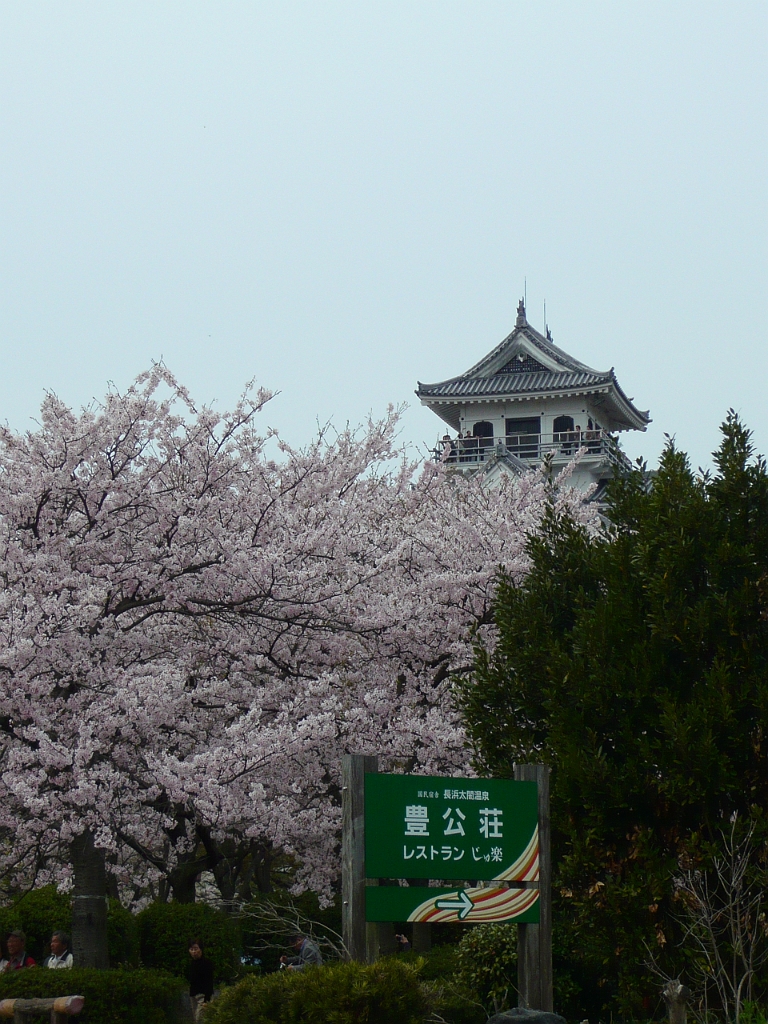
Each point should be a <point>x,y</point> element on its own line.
<point>484,430</point>
<point>562,425</point>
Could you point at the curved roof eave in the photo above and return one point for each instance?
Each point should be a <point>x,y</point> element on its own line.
<point>624,411</point>
<point>642,416</point>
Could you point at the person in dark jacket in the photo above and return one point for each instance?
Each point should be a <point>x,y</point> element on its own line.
<point>200,975</point>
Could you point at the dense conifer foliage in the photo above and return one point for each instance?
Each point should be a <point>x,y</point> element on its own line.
<point>635,662</point>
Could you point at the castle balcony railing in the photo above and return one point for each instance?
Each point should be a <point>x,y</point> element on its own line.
<point>594,445</point>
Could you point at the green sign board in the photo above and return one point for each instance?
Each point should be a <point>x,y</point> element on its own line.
<point>438,906</point>
<point>419,826</point>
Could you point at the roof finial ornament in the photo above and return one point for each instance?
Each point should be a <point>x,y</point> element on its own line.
<point>521,321</point>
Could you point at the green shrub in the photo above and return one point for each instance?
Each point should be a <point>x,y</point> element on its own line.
<point>454,1004</point>
<point>38,913</point>
<point>437,964</point>
<point>41,912</point>
<point>751,1013</point>
<point>111,997</point>
<point>449,997</point>
<point>122,936</point>
<point>487,961</point>
<point>346,993</point>
<point>166,928</point>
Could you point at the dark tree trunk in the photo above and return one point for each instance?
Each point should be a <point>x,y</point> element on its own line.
<point>205,856</point>
<point>89,904</point>
<point>224,881</point>
<point>182,880</point>
<point>237,866</point>
<point>262,871</point>
<point>113,889</point>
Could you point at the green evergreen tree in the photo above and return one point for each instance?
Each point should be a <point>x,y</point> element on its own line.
<point>635,664</point>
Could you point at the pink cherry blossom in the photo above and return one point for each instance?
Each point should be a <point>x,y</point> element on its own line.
<point>198,620</point>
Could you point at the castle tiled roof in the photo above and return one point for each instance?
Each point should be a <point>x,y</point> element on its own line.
<point>542,382</point>
<point>527,364</point>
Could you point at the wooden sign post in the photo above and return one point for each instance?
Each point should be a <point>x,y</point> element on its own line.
<point>423,828</point>
<point>534,941</point>
<point>360,938</point>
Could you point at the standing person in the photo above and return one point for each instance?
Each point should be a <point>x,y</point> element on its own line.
<point>60,957</point>
<point>17,953</point>
<point>470,446</point>
<point>449,449</point>
<point>200,975</point>
<point>403,943</point>
<point>307,954</point>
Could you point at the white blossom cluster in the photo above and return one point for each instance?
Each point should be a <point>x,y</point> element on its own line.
<point>192,633</point>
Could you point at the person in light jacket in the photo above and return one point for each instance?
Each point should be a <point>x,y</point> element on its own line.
<point>60,957</point>
<point>307,954</point>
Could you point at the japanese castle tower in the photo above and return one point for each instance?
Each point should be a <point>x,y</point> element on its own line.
<point>528,400</point>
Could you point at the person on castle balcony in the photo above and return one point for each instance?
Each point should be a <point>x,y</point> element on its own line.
<point>470,447</point>
<point>449,448</point>
<point>591,436</point>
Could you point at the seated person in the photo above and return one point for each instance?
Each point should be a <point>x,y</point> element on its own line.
<point>60,957</point>
<point>307,953</point>
<point>17,954</point>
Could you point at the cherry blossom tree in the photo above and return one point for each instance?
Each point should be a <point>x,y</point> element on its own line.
<point>197,620</point>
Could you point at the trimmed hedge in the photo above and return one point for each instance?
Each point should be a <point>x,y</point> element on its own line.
<point>157,937</point>
<point>38,913</point>
<point>111,997</point>
<point>42,911</point>
<point>166,928</point>
<point>450,998</point>
<point>345,993</point>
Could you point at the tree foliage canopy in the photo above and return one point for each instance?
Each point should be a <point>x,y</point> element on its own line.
<point>192,631</point>
<point>634,661</point>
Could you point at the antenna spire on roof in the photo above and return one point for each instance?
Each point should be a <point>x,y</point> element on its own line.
<point>521,321</point>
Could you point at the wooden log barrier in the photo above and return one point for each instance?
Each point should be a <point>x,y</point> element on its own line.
<point>60,1008</point>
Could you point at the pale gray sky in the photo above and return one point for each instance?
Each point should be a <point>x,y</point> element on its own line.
<point>342,198</point>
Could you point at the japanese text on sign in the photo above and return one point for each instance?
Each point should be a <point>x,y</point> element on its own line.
<point>417,821</point>
<point>447,828</point>
<point>453,794</point>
